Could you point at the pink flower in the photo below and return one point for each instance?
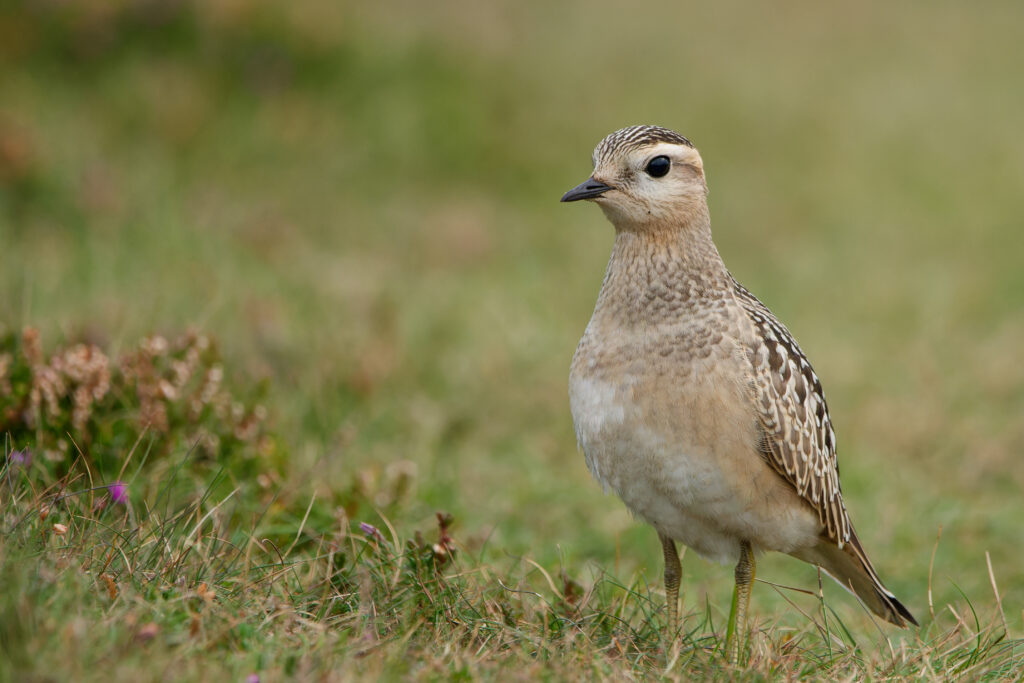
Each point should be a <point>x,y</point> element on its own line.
<point>119,492</point>
<point>371,531</point>
<point>22,458</point>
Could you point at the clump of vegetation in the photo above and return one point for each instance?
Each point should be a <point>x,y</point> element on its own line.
<point>163,582</point>
<point>78,400</point>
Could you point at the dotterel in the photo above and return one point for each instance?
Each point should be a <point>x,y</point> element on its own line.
<point>692,401</point>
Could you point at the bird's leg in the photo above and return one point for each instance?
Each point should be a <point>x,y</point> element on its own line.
<point>673,572</point>
<point>737,628</point>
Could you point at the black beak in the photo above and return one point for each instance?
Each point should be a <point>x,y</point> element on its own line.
<point>588,189</point>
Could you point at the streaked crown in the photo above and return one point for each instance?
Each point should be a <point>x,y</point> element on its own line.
<point>634,137</point>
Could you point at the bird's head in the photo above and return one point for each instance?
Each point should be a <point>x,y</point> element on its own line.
<point>645,176</point>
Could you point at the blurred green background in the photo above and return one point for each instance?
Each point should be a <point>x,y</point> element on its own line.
<point>360,202</point>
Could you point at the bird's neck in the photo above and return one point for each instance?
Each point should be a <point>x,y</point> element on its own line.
<point>662,271</point>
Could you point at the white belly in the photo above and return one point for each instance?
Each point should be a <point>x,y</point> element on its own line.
<point>685,465</point>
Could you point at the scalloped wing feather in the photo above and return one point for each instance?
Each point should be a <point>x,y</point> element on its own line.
<point>799,442</point>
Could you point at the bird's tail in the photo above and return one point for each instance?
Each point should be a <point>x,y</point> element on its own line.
<point>852,569</point>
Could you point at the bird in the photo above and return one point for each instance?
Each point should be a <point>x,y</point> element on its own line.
<point>692,402</point>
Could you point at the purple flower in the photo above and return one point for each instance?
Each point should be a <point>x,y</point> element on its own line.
<point>370,530</point>
<point>22,458</point>
<point>252,678</point>
<point>119,492</point>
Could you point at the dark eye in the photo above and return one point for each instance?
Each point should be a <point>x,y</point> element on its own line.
<point>658,166</point>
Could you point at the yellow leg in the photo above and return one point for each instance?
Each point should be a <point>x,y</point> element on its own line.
<point>737,629</point>
<point>673,572</point>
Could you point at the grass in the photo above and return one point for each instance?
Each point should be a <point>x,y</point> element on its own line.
<point>359,209</point>
<point>188,585</point>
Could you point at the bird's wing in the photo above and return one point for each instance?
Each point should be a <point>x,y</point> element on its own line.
<point>798,441</point>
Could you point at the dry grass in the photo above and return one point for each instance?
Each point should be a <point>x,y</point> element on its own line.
<point>195,586</point>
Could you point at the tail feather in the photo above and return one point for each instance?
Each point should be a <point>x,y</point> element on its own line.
<point>852,569</point>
